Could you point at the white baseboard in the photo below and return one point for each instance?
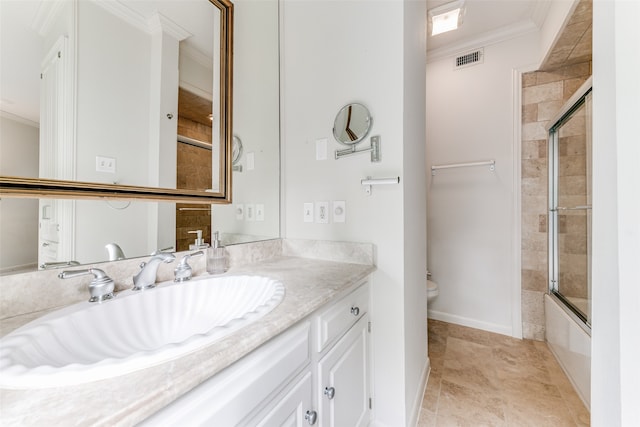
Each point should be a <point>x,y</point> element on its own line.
<point>419,397</point>
<point>471,323</point>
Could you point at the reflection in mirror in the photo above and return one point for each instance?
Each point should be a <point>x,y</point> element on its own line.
<point>106,106</point>
<point>352,124</point>
<point>141,227</point>
<point>254,214</point>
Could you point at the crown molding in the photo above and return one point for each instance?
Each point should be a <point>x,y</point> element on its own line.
<point>160,23</point>
<point>125,13</point>
<point>488,38</point>
<point>46,16</point>
<point>152,25</point>
<point>8,115</point>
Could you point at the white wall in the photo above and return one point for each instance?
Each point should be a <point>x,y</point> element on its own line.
<point>616,208</point>
<point>471,216</point>
<point>112,99</point>
<point>414,206</point>
<point>340,52</point>
<point>19,146</point>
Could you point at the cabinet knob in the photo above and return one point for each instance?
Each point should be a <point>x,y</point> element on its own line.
<point>311,417</point>
<point>330,392</point>
<point>355,311</point>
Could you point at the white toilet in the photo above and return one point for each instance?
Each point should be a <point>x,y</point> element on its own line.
<point>432,289</point>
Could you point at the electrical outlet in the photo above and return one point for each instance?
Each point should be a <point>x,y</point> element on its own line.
<point>105,164</point>
<point>259,212</point>
<point>250,212</point>
<point>308,212</point>
<point>322,212</point>
<point>339,211</point>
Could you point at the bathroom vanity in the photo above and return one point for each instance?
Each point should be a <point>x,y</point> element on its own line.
<point>305,362</point>
<point>315,372</point>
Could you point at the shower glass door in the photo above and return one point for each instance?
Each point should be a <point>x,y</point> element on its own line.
<point>570,208</point>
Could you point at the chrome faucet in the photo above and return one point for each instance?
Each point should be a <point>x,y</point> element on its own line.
<point>146,277</point>
<point>183,271</point>
<point>101,287</point>
<point>114,252</point>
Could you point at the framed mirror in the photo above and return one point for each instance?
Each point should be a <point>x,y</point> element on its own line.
<point>352,124</point>
<point>79,229</point>
<point>100,80</point>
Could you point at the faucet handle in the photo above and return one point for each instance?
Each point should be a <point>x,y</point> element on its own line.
<point>183,271</point>
<point>101,286</point>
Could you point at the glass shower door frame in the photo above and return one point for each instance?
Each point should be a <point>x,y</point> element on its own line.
<point>576,102</point>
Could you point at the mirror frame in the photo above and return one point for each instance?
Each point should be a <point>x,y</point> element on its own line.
<point>49,188</point>
<point>359,138</point>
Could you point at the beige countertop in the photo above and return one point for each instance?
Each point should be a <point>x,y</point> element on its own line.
<point>128,399</point>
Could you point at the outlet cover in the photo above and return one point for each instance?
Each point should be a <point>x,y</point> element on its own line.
<point>250,212</point>
<point>322,212</point>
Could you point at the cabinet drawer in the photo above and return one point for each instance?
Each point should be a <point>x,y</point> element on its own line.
<point>337,319</point>
<point>242,388</point>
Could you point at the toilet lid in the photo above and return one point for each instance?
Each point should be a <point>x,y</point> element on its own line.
<point>431,286</point>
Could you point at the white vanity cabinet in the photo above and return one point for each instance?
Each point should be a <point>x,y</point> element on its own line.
<point>343,361</point>
<point>315,373</point>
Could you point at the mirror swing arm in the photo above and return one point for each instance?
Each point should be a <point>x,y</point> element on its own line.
<point>374,149</point>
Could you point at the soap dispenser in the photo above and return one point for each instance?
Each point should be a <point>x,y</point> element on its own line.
<point>216,257</point>
<point>199,243</point>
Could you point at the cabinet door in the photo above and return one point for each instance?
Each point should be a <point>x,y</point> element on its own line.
<point>344,380</point>
<point>291,408</point>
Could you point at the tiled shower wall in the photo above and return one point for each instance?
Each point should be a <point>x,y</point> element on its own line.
<point>543,94</point>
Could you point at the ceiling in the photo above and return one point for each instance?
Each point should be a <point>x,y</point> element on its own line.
<point>485,19</point>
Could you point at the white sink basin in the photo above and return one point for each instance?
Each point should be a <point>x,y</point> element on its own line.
<point>89,341</point>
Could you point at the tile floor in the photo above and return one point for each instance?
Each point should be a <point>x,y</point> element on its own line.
<point>483,379</point>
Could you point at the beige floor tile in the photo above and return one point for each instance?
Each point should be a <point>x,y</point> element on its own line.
<point>479,378</point>
<point>464,403</point>
<point>432,394</point>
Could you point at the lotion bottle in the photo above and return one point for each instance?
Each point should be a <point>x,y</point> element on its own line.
<point>216,257</point>
<point>199,243</point>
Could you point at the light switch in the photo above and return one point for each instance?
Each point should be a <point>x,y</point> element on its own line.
<point>251,161</point>
<point>308,212</point>
<point>339,211</point>
<point>105,164</point>
<point>321,149</point>
<point>322,212</point>
<point>239,212</point>
<point>259,212</point>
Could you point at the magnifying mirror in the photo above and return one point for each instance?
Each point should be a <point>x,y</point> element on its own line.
<point>352,124</point>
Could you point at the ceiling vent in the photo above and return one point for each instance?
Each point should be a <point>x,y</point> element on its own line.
<point>468,59</point>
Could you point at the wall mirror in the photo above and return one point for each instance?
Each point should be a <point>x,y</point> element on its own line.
<point>64,228</point>
<point>352,124</point>
<point>101,80</point>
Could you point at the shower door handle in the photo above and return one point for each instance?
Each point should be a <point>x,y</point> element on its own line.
<point>574,208</point>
